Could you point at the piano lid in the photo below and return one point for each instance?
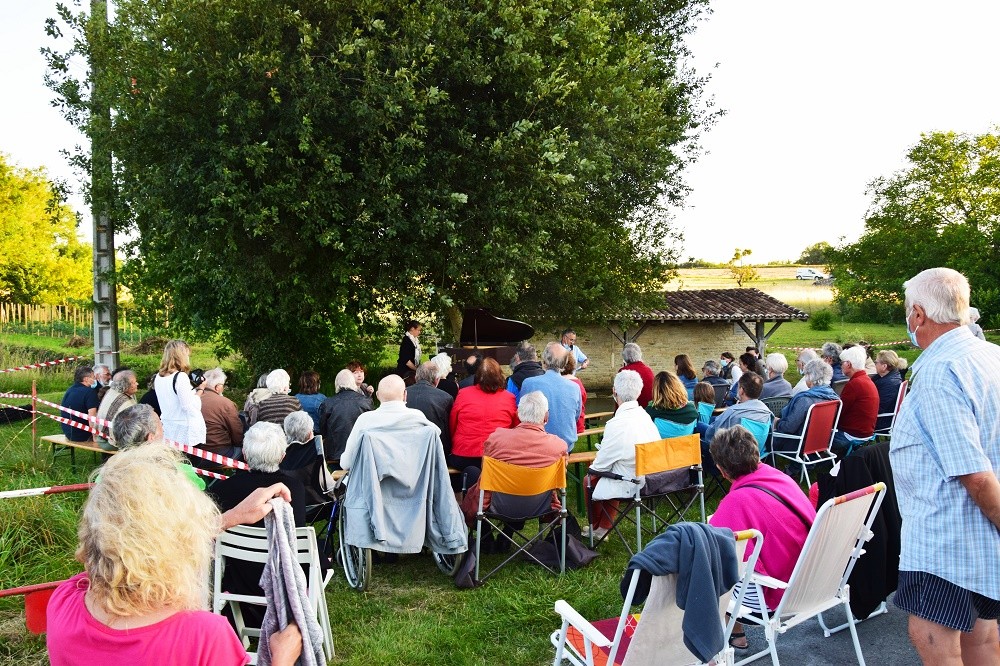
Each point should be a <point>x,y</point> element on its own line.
<point>480,329</point>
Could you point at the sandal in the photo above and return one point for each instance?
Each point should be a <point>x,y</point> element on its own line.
<point>737,635</point>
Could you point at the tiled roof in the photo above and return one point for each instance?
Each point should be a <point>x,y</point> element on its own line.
<point>722,305</point>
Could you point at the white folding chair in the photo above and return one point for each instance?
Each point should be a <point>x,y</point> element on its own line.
<point>656,637</point>
<point>819,579</point>
<point>249,544</point>
<point>816,439</point>
<point>887,431</point>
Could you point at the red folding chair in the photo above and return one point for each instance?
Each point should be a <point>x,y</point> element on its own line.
<point>815,440</point>
<point>887,431</point>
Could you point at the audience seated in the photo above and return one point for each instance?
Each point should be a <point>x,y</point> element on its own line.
<point>358,369</point>
<point>830,352</point>
<point>710,372</point>
<point>629,426</point>
<point>776,386</point>
<point>685,373</point>
<point>747,362</point>
<point>728,364</point>
<point>144,524</point>
<point>300,449</point>
<point>704,402</point>
<point>670,404</point>
<point>120,395</point>
<point>309,396</point>
<point>632,357</point>
<point>888,377</point>
<point>338,413</point>
<point>82,397</point>
<point>478,411</point>
<point>471,367</point>
<point>793,416</point>
<point>869,361</point>
<point>748,406</point>
<point>801,360</point>
<point>223,428</point>
<point>565,399</point>
<point>527,365</point>
<point>263,449</point>
<point>860,398</point>
<point>279,404</point>
<point>526,445</point>
<point>256,396</point>
<point>432,401</point>
<point>784,522</point>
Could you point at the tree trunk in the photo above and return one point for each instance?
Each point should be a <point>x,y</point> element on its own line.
<point>454,316</point>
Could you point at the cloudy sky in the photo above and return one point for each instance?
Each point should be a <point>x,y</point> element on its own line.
<point>820,99</point>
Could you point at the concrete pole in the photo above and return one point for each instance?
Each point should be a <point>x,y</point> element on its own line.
<point>105,293</point>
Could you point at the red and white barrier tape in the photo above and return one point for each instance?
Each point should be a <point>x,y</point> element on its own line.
<point>48,490</point>
<point>43,364</point>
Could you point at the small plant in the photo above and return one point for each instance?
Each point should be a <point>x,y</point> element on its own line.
<point>821,320</point>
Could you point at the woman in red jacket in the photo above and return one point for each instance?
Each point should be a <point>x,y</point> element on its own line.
<point>479,410</point>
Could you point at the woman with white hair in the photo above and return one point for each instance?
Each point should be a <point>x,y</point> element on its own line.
<point>280,404</point>
<point>338,413</point>
<point>446,375</point>
<point>629,426</point>
<point>776,386</point>
<point>301,450</point>
<point>976,329</point>
<point>146,543</point>
<point>263,450</point>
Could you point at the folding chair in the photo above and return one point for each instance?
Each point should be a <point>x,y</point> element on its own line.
<point>249,544</point>
<point>838,386</point>
<point>815,440</point>
<point>819,579</point>
<point>671,429</point>
<point>775,405</point>
<point>761,431</point>
<point>652,459</point>
<point>721,391</point>
<point>705,411</point>
<point>502,478</point>
<point>887,431</point>
<point>652,637</point>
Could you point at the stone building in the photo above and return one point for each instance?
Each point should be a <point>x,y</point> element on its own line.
<point>700,323</point>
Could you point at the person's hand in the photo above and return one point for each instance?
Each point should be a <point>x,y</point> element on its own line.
<point>255,506</point>
<point>286,645</point>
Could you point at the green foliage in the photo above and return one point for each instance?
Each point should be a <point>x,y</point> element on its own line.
<point>41,259</point>
<point>302,174</point>
<point>815,254</point>
<point>943,209</point>
<point>821,320</point>
<point>740,272</point>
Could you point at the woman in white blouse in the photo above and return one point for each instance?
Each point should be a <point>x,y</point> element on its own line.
<point>180,404</point>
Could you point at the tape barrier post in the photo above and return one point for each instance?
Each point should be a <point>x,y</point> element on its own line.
<point>34,421</point>
<point>43,364</point>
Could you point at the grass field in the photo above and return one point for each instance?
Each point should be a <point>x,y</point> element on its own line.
<point>776,281</point>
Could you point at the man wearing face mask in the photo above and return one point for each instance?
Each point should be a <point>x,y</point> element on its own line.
<point>945,453</point>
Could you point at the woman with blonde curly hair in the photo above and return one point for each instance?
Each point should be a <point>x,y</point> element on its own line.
<point>146,542</point>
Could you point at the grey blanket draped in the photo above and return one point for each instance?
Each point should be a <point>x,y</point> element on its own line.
<point>284,585</point>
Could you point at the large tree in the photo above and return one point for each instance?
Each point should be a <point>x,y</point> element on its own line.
<point>41,258</point>
<point>942,209</point>
<point>296,171</point>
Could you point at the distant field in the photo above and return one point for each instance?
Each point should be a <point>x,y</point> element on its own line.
<point>776,281</point>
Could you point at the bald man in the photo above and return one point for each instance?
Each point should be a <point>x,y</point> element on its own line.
<point>391,413</point>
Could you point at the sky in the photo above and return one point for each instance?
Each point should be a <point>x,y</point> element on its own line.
<point>820,99</point>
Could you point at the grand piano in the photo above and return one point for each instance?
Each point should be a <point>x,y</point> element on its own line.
<point>492,336</point>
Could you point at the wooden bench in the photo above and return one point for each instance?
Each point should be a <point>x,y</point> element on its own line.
<point>60,441</point>
<point>576,459</point>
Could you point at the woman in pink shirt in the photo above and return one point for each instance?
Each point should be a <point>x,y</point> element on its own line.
<point>146,542</point>
<point>784,518</point>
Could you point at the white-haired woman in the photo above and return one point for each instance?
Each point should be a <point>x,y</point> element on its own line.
<point>338,413</point>
<point>279,404</point>
<point>263,450</point>
<point>446,375</point>
<point>146,543</point>
<point>776,386</point>
<point>180,403</point>
<point>301,450</point>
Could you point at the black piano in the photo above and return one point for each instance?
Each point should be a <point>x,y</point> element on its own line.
<point>492,336</point>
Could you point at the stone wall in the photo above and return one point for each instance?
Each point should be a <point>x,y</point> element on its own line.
<point>660,342</point>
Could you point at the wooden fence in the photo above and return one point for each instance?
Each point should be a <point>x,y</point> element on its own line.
<point>39,318</point>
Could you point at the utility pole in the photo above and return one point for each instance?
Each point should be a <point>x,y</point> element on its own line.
<point>101,188</point>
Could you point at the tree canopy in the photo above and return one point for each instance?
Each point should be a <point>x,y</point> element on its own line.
<point>300,172</point>
<point>41,258</point>
<point>943,209</point>
<point>815,254</point>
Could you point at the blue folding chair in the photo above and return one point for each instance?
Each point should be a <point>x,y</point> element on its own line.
<point>760,430</point>
<point>670,429</point>
<point>705,411</point>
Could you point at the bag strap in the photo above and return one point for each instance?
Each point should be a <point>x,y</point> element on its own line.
<point>798,514</point>
<point>175,382</point>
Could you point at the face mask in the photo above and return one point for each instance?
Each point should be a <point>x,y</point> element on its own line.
<point>724,362</point>
<point>913,333</point>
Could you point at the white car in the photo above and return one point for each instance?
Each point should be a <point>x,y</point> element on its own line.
<point>809,274</point>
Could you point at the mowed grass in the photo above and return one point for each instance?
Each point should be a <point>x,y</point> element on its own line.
<point>777,281</point>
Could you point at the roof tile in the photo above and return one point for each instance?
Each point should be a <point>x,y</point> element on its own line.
<point>722,305</point>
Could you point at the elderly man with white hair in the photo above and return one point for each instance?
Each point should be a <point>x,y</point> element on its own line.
<point>629,426</point>
<point>776,386</point>
<point>945,454</point>
<point>279,404</point>
<point>632,357</point>
<point>338,413</point>
<point>564,396</point>
<point>391,413</point>
<point>860,398</point>
<point>223,428</point>
<point>801,361</point>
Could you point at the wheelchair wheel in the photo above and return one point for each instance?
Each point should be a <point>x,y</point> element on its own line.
<point>448,564</point>
<point>357,562</point>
